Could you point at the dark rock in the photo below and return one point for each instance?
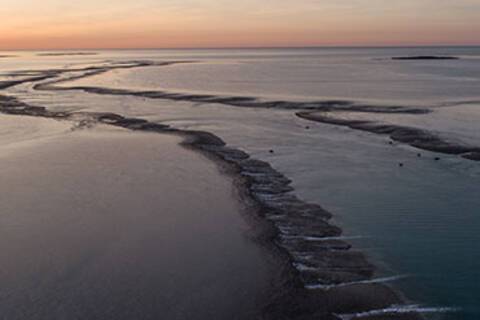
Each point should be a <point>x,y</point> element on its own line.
<point>204,138</point>
<point>475,156</point>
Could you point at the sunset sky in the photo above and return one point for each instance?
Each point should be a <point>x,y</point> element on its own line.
<point>57,24</point>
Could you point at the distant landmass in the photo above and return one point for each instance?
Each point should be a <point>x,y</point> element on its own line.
<point>53,54</point>
<point>426,58</point>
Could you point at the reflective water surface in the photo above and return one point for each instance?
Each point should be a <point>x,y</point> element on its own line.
<point>420,220</point>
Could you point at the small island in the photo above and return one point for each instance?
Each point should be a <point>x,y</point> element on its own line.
<point>426,58</point>
<point>55,54</point>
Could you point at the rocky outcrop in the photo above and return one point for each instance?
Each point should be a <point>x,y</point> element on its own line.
<point>415,137</point>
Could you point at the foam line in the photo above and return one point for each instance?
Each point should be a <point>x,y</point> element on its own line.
<point>414,308</point>
<point>309,238</point>
<point>345,284</point>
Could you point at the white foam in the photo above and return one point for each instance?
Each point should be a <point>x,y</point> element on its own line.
<point>277,217</point>
<point>345,284</point>
<point>310,238</point>
<point>344,238</point>
<point>400,309</point>
<point>285,229</point>
<point>302,267</point>
<point>303,255</point>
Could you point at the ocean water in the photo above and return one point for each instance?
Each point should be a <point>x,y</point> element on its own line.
<point>421,221</point>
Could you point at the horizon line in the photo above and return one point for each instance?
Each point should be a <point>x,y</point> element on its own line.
<point>257,47</point>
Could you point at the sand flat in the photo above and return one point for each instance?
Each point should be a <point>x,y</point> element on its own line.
<point>17,133</point>
<point>110,224</point>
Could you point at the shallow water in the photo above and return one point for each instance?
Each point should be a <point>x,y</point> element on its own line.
<point>315,73</point>
<point>420,220</point>
<point>109,224</point>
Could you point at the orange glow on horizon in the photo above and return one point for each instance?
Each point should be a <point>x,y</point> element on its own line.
<point>55,24</point>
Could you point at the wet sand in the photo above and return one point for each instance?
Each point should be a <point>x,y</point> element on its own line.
<point>109,224</point>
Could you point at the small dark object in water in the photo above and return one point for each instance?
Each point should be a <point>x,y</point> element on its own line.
<point>419,155</point>
<point>390,142</point>
<point>426,58</point>
<point>437,158</point>
<point>271,151</point>
<point>400,164</point>
<point>307,127</point>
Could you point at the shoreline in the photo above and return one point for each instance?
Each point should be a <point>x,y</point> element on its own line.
<point>317,254</point>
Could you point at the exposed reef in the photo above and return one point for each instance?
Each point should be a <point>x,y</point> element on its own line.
<point>320,111</point>
<point>426,58</point>
<point>59,54</point>
<point>33,76</point>
<point>236,101</point>
<point>11,83</point>
<point>415,137</point>
<point>331,278</point>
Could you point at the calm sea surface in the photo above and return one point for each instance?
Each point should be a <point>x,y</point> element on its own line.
<point>421,221</point>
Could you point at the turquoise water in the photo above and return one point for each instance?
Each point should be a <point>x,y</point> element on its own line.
<point>421,221</point>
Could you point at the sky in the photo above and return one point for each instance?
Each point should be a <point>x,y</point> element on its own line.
<point>88,24</point>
